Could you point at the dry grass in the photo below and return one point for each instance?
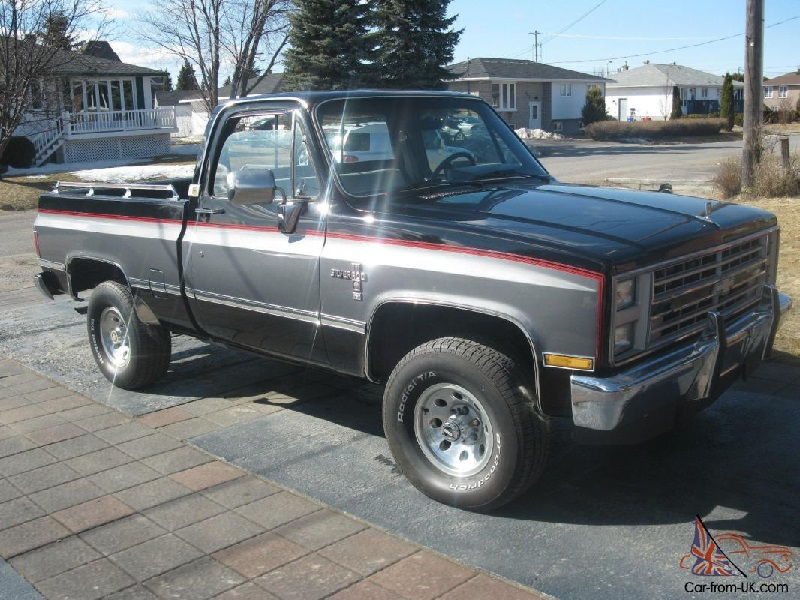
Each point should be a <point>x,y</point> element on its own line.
<point>787,343</point>
<point>772,179</point>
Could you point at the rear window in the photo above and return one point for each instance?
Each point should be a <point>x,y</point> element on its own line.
<point>357,141</point>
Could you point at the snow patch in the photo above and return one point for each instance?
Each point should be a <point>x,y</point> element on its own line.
<point>135,173</point>
<point>537,134</point>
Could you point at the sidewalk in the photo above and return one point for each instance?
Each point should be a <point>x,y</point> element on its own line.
<point>95,504</point>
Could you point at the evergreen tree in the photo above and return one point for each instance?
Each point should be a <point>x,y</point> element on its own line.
<point>57,31</point>
<point>676,113</point>
<point>331,47</point>
<point>595,107</point>
<point>726,109</point>
<point>415,42</point>
<point>186,78</point>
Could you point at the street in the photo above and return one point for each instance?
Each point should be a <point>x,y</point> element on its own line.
<point>622,517</point>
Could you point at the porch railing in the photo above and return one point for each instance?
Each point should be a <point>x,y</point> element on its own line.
<point>44,140</point>
<point>87,122</point>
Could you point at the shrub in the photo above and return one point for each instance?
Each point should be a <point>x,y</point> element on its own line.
<point>726,102</point>
<point>652,130</point>
<point>595,108</point>
<point>19,153</point>
<point>770,179</point>
<point>711,115</point>
<point>677,112</point>
<point>738,119</point>
<point>728,179</point>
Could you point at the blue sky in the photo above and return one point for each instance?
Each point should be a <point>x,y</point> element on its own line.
<point>613,28</point>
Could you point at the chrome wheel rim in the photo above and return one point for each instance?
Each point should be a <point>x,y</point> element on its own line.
<point>114,337</point>
<point>453,429</point>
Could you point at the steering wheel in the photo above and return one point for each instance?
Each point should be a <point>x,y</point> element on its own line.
<point>437,172</point>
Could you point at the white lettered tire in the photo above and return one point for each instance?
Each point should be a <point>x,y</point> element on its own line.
<point>462,426</point>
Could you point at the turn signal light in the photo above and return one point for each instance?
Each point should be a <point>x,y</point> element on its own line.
<point>569,362</point>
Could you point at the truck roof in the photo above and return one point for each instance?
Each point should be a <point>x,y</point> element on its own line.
<point>316,97</point>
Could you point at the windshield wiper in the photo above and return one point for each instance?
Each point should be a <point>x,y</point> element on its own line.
<point>508,173</point>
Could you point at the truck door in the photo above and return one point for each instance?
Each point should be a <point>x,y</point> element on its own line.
<point>248,280</point>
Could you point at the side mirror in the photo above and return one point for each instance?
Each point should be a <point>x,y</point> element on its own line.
<point>252,184</point>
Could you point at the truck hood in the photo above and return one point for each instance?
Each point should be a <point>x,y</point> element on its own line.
<point>620,227</point>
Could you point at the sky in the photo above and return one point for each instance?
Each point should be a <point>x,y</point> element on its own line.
<point>576,34</point>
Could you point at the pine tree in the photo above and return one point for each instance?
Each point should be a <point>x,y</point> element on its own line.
<point>595,107</point>
<point>57,31</point>
<point>676,113</point>
<point>726,109</point>
<point>186,78</point>
<point>331,47</point>
<point>415,42</point>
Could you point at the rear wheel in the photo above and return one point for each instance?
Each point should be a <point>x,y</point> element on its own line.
<point>462,424</point>
<point>130,354</point>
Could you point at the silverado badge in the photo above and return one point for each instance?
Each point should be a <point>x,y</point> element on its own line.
<point>355,274</point>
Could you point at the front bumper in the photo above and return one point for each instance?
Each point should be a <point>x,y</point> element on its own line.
<point>643,401</point>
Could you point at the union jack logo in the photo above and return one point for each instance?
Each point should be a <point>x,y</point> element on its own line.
<point>709,559</point>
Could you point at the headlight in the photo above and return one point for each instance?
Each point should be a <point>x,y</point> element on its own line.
<point>625,293</point>
<point>623,338</point>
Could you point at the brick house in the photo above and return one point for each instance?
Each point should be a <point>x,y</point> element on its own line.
<point>783,92</point>
<point>527,93</point>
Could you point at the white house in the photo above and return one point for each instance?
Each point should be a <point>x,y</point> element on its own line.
<point>92,108</point>
<point>527,93</point>
<point>646,92</point>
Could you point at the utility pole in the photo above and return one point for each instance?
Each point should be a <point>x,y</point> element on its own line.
<point>536,45</point>
<point>753,94</point>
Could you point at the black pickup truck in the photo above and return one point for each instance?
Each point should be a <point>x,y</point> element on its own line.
<point>413,240</point>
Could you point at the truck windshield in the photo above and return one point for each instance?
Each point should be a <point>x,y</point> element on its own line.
<point>384,144</point>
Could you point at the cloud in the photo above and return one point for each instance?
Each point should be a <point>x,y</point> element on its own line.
<point>145,56</point>
<point>116,13</point>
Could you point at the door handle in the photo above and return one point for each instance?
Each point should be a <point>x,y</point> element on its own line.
<point>209,211</point>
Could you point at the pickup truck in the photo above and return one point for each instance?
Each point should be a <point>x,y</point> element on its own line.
<point>485,295</point>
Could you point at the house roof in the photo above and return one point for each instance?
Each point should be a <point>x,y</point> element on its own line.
<point>75,63</point>
<point>271,84</point>
<point>786,79</point>
<point>512,68</point>
<point>655,75</point>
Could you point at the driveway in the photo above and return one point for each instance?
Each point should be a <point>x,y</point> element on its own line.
<point>602,521</point>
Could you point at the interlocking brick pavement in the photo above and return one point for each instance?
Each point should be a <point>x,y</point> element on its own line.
<point>97,504</point>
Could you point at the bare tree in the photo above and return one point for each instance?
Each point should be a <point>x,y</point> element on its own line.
<point>33,34</point>
<point>255,34</point>
<point>246,35</point>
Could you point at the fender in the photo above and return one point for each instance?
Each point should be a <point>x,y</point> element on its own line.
<point>529,335</point>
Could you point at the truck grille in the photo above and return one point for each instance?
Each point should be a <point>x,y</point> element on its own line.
<point>729,280</point>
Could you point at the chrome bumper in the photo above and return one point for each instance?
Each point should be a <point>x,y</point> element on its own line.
<point>691,374</point>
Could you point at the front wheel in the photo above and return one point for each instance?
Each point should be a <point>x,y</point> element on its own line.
<point>130,354</point>
<point>462,424</point>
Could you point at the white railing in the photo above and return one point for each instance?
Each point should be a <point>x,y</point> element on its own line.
<point>44,139</point>
<point>86,122</point>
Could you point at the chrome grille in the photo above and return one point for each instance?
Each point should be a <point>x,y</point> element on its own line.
<point>728,280</point>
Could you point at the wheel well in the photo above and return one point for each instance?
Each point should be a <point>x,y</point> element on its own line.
<point>86,273</point>
<point>398,327</point>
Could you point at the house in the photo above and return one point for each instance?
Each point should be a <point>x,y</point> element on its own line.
<point>93,107</point>
<point>190,111</point>
<point>783,92</point>
<point>646,92</point>
<point>527,93</point>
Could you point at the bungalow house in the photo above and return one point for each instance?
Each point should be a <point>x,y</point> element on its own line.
<point>190,110</point>
<point>527,93</point>
<point>92,107</point>
<point>646,92</point>
<point>783,92</point>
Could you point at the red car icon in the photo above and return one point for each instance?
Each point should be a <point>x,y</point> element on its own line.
<point>763,559</point>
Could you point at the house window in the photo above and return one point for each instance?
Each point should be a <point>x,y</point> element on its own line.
<point>566,89</point>
<point>767,91</point>
<point>704,92</point>
<point>504,96</point>
<point>591,86</point>
<point>782,91</point>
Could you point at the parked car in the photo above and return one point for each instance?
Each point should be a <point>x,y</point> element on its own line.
<point>485,295</point>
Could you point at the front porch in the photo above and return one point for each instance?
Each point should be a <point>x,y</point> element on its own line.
<point>104,134</point>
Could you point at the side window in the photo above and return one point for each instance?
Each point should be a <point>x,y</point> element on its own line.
<point>305,176</point>
<point>253,141</point>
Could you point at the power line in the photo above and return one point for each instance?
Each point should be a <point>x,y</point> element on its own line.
<point>714,41</point>
<point>581,18</point>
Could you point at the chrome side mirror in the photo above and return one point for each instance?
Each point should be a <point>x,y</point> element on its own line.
<point>252,184</point>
